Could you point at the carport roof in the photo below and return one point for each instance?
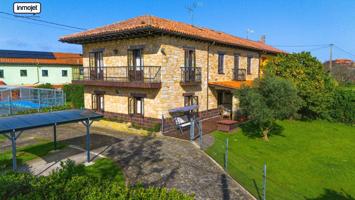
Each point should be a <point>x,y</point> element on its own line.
<point>24,122</point>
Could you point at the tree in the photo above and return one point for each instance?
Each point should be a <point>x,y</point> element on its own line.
<point>314,86</point>
<point>270,99</point>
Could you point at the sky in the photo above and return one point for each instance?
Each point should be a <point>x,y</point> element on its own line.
<point>291,25</point>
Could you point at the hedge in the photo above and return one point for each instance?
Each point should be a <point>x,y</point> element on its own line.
<point>71,182</point>
<point>74,95</point>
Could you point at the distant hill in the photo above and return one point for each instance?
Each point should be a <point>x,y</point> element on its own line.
<point>343,70</point>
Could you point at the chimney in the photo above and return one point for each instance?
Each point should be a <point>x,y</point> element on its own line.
<point>262,39</point>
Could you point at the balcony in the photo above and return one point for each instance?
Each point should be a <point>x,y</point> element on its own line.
<point>239,74</point>
<point>120,76</point>
<point>190,76</point>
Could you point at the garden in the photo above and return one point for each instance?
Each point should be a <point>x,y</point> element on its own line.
<point>300,126</point>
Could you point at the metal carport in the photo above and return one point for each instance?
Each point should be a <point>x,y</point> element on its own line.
<point>12,127</point>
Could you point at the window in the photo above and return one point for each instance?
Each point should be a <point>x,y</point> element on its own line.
<point>81,71</point>
<point>190,100</point>
<point>249,65</point>
<point>1,73</point>
<point>190,58</point>
<point>44,73</point>
<point>23,73</point>
<point>220,63</point>
<point>136,105</point>
<point>64,73</point>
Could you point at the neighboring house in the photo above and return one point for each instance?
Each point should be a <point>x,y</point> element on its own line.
<point>139,69</point>
<point>343,70</point>
<point>33,67</point>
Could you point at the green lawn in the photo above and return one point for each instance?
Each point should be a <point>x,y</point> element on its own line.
<point>106,169</point>
<point>24,154</point>
<point>2,138</point>
<point>306,160</point>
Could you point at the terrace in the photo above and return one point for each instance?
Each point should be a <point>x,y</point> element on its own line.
<point>121,76</point>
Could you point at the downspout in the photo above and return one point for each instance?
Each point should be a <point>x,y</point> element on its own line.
<point>260,62</point>
<point>37,66</point>
<point>208,70</point>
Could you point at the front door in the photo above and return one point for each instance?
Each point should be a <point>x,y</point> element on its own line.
<point>98,102</point>
<point>135,65</point>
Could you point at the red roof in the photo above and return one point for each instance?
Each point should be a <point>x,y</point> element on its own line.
<point>2,83</point>
<point>58,59</point>
<point>152,23</point>
<point>231,84</point>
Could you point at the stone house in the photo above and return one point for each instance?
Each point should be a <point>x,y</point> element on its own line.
<point>137,70</point>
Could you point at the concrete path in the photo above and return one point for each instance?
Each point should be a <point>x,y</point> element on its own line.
<point>151,161</point>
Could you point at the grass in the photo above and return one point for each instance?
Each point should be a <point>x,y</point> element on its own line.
<point>305,160</point>
<point>120,126</point>
<point>106,169</point>
<point>2,138</point>
<point>27,153</point>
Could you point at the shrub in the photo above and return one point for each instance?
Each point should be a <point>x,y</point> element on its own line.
<point>72,182</point>
<point>74,95</point>
<point>314,85</point>
<point>343,104</point>
<point>45,86</point>
<point>271,98</point>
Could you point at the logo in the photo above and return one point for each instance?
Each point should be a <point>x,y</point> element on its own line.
<point>27,8</point>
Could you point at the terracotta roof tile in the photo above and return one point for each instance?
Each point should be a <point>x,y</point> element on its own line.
<point>174,27</point>
<point>58,59</point>
<point>231,84</point>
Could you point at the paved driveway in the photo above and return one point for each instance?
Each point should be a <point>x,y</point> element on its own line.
<point>153,161</point>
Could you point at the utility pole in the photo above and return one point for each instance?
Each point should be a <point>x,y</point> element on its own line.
<point>330,57</point>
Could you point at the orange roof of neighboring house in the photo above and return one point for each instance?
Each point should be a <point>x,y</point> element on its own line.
<point>2,83</point>
<point>231,84</point>
<point>34,57</point>
<point>160,25</point>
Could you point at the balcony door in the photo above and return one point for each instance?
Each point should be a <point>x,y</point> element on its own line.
<point>135,65</point>
<point>190,64</point>
<point>96,65</point>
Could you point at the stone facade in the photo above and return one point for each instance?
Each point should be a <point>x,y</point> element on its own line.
<point>167,52</point>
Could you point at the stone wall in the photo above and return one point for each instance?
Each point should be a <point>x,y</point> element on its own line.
<point>167,52</point>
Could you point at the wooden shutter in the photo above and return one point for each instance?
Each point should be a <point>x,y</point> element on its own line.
<point>130,105</point>
<point>130,58</point>
<point>94,102</point>
<point>91,59</point>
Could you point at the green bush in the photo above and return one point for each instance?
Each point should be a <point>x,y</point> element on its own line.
<point>343,106</point>
<point>73,182</point>
<point>314,86</point>
<point>270,99</point>
<point>45,86</point>
<point>74,95</point>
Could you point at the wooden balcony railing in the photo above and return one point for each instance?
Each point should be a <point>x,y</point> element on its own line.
<point>239,74</point>
<point>190,75</point>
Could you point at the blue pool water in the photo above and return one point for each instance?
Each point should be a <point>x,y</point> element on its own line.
<point>23,104</point>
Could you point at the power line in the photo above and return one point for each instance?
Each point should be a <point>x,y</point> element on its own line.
<point>345,51</point>
<point>43,21</point>
<point>301,45</point>
<point>30,22</point>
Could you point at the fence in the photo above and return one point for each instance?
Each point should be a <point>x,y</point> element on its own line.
<point>18,99</point>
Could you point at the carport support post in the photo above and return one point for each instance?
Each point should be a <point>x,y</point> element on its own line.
<point>13,142</point>
<point>55,136</point>
<point>192,130</point>
<point>87,124</point>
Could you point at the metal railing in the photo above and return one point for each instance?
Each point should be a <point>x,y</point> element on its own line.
<point>239,74</point>
<point>190,74</point>
<point>146,74</point>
